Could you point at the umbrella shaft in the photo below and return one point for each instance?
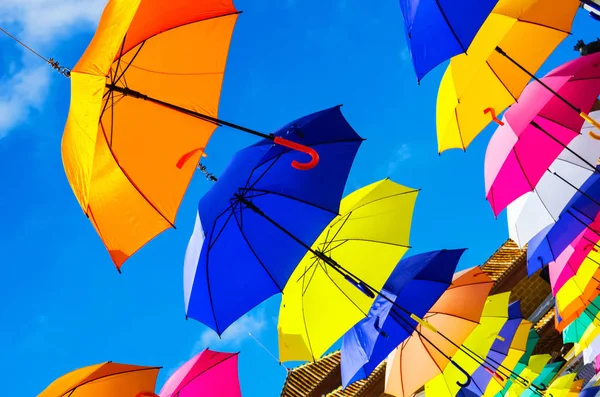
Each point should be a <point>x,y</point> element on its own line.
<point>138,95</point>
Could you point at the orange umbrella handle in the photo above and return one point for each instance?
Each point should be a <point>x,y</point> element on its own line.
<point>314,156</point>
<point>494,118</point>
<point>146,394</point>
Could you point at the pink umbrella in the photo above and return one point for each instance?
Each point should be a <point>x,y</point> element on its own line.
<point>569,261</point>
<point>538,128</point>
<point>208,374</point>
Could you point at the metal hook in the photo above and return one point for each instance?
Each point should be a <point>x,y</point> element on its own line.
<point>314,156</point>
<point>468,382</point>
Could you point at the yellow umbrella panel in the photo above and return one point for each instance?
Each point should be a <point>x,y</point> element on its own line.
<point>484,82</point>
<point>364,244</point>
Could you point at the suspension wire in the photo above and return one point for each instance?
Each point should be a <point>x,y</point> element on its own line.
<point>50,61</point>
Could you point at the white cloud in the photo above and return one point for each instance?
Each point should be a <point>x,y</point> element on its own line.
<point>402,154</point>
<point>41,24</point>
<point>254,323</point>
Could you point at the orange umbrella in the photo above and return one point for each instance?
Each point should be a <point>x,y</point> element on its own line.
<point>144,103</point>
<point>418,360</point>
<point>105,380</point>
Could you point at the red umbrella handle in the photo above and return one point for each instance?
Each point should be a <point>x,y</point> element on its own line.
<point>494,118</point>
<point>314,156</point>
<point>147,394</point>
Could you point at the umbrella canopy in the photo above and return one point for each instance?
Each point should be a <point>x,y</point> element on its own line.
<point>561,387</point>
<point>580,288</point>
<point>504,354</point>
<point>485,80</point>
<point>415,285</point>
<point>590,392</point>
<point>208,374</point>
<point>255,224</point>
<point>579,214</point>
<point>527,371</point>
<point>120,162</point>
<point>455,315</point>
<point>575,331</point>
<point>105,380</point>
<point>474,348</point>
<point>538,128</point>
<point>534,375</point>
<point>541,207</point>
<point>332,290</point>
<point>570,260</point>
<point>438,30</point>
<point>591,352</point>
<point>548,373</point>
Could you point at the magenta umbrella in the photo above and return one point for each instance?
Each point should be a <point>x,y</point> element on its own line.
<point>208,374</point>
<point>538,128</point>
<point>568,262</point>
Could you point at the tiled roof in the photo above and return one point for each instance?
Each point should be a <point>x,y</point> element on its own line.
<point>357,389</point>
<point>305,379</point>
<point>504,260</point>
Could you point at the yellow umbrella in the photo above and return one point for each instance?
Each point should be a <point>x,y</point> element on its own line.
<point>105,380</point>
<point>485,80</point>
<point>530,373</point>
<point>562,387</point>
<point>474,348</point>
<point>581,289</point>
<point>515,352</point>
<point>363,244</point>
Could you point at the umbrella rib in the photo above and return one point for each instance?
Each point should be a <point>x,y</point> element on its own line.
<point>437,2</point>
<point>346,295</point>
<point>131,180</point>
<point>290,197</point>
<point>258,179</point>
<point>206,370</point>
<point>544,26</point>
<point>500,80</point>
<point>213,241</point>
<point>329,241</point>
<point>522,169</point>
<point>254,252</point>
<point>71,391</point>
<point>314,267</point>
<point>374,241</point>
<point>545,207</point>
<point>412,191</point>
<point>305,323</point>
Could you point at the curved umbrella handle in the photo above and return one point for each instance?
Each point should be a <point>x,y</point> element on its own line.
<point>314,156</point>
<point>493,114</point>
<point>468,382</point>
<point>147,394</point>
<point>378,328</point>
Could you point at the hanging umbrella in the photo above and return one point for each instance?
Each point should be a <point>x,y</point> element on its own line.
<point>476,346</point>
<point>575,331</point>
<point>366,241</point>
<point>590,392</point>
<point>415,285</point>
<point>437,30</point>
<point>570,260</point>
<point>579,214</point>
<point>425,354</point>
<point>208,374</point>
<point>580,288</point>
<point>143,107</point>
<point>548,373</point>
<point>561,387</point>
<point>504,354</point>
<point>105,380</point>
<point>591,352</point>
<point>515,361</point>
<point>539,128</point>
<point>528,371</point>
<point>541,207</point>
<point>527,31</point>
<point>254,224</point>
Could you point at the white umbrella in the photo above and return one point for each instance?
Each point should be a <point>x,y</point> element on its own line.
<point>536,210</point>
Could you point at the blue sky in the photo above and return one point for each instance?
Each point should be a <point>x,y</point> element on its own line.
<point>64,305</point>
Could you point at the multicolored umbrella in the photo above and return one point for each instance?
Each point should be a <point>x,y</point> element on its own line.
<point>473,349</point>
<point>570,260</point>
<point>548,373</point>
<point>580,330</point>
<point>503,356</point>
<point>255,224</point>
<point>143,107</point>
<point>106,379</point>
<point>579,214</point>
<point>539,128</point>
<point>426,353</point>
<point>208,374</point>
<point>338,279</point>
<point>478,86</point>
<point>438,30</point>
<point>528,372</point>
<point>415,285</point>
<point>535,210</point>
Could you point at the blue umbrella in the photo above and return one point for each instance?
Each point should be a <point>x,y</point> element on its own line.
<point>497,354</point>
<point>590,391</point>
<point>437,30</point>
<point>577,215</point>
<point>415,285</point>
<point>245,244</point>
